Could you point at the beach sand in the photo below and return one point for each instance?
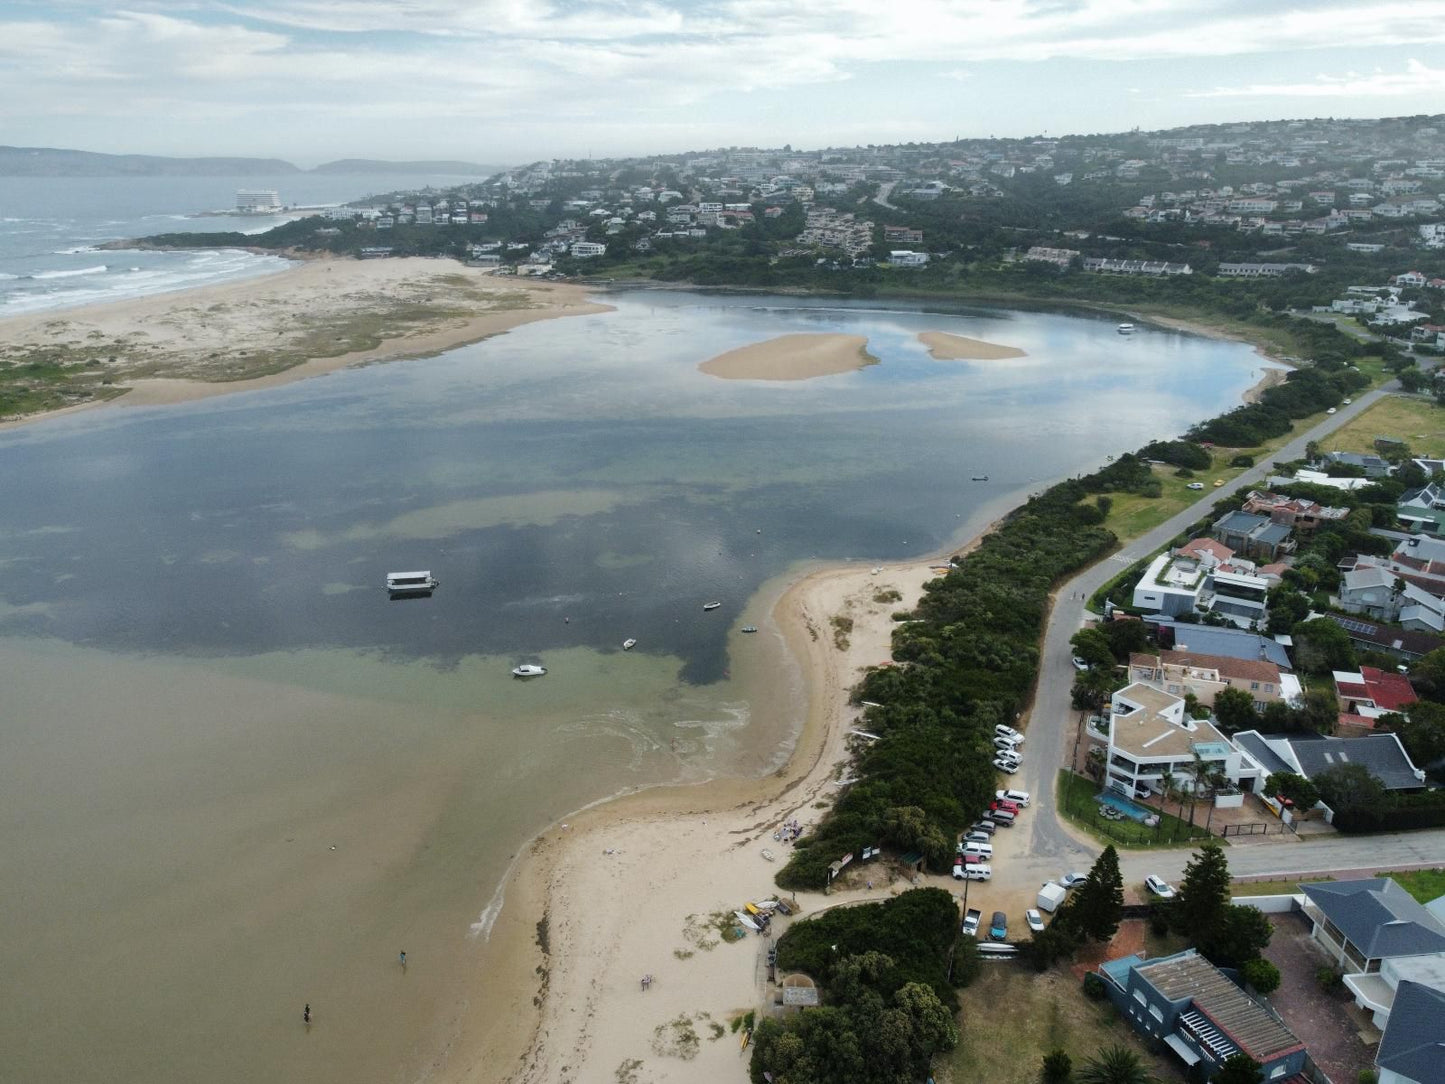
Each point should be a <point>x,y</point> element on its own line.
<point>314,318</point>
<point>792,357</point>
<point>945,347</point>
<point>634,886</point>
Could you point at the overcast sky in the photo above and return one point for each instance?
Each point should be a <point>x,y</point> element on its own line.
<point>510,81</point>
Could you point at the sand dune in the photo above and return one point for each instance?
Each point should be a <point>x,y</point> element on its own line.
<point>946,347</point>
<point>792,357</point>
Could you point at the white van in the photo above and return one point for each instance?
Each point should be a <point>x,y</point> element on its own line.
<point>983,850</point>
<point>978,873</point>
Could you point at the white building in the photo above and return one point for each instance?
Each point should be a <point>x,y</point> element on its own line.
<point>257,200</point>
<point>584,250</point>
<point>1150,736</point>
<point>904,257</point>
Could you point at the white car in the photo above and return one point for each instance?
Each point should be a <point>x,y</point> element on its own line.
<point>1195,485</point>
<point>1007,744</point>
<point>1079,664</point>
<point>1003,730</point>
<point>1330,411</point>
<point>1348,402</point>
<point>1073,880</point>
<point>1035,920</point>
<point>1018,797</point>
<point>1008,767</point>
<point>1159,886</point>
<point>1010,754</point>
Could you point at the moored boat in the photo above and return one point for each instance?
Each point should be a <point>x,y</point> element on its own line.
<point>1125,329</point>
<point>528,670</point>
<point>628,644</point>
<point>749,628</point>
<point>711,605</point>
<point>410,583</point>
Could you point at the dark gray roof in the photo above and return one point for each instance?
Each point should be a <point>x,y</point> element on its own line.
<point>1252,742</point>
<point>1381,753</point>
<point>1388,637</point>
<point>1232,643</point>
<point>1414,1041</point>
<point>1239,522</point>
<point>1271,535</point>
<point>1379,917</point>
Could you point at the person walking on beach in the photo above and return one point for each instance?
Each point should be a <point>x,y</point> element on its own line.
<point>306,1015</point>
<point>403,959</point>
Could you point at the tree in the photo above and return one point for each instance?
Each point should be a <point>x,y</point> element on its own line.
<point>1114,1065</point>
<point>1412,380</point>
<point>1322,646</point>
<point>1203,893</point>
<point>1238,1069</point>
<point>1427,674</point>
<point>1296,788</point>
<point>1241,934</point>
<point>1058,1067</point>
<point>1347,788</point>
<point>1098,904</point>
<point>1424,733</point>
<point>1319,712</point>
<point>1262,975</point>
<point>1092,646</point>
<point>1234,708</point>
<point>1126,637</point>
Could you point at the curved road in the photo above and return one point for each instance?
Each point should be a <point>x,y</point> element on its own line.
<point>1054,848</point>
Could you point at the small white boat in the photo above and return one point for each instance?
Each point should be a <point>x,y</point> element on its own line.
<point>1125,329</point>
<point>767,855</point>
<point>711,605</point>
<point>410,583</point>
<point>628,644</point>
<point>747,920</point>
<point>528,670</point>
<point>749,628</point>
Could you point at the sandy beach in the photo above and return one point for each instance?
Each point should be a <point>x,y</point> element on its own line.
<point>636,886</point>
<point>314,318</point>
<point>946,347</point>
<point>792,357</point>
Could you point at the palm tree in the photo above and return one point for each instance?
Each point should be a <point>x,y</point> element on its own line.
<point>1113,1065</point>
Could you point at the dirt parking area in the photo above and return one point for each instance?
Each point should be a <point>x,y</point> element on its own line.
<point>1323,1022</point>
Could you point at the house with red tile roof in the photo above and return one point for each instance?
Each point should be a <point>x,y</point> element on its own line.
<point>1371,693</point>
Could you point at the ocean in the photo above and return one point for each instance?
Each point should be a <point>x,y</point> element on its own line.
<point>50,227</point>
<point>237,778</point>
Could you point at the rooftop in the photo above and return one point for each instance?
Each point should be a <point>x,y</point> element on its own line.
<point>1247,1023</point>
<point>1382,754</point>
<point>1147,732</point>
<point>1379,917</point>
<point>1213,640</point>
<point>1414,1040</point>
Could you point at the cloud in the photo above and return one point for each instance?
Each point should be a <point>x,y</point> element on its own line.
<point>1416,79</point>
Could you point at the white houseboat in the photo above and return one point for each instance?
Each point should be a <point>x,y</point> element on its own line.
<point>410,583</point>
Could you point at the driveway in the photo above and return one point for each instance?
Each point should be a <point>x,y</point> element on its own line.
<point>1321,1021</point>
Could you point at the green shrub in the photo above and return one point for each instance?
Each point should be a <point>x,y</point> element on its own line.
<point>1329,979</point>
<point>1262,975</point>
<point>1242,461</point>
<point>1094,987</point>
<point>1058,1067</point>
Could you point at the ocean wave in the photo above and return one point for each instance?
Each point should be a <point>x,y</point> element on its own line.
<point>76,251</point>
<point>98,269</point>
<point>3,275</point>
<point>176,272</point>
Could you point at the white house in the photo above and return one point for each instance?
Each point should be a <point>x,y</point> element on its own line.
<point>587,249</point>
<point>1150,736</point>
<point>904,257</point>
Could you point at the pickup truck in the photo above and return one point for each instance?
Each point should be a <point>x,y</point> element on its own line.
<point>971,921</point>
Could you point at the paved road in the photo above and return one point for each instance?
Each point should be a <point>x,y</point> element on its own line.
<point>1052,723</point>
<point>884,191</point>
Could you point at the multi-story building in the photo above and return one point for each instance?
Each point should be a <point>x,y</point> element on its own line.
<point>1150,736</point>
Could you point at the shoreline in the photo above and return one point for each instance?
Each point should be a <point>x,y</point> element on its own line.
<point>185,330</point>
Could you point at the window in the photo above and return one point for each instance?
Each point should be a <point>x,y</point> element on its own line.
<point>1254,685</point>
<point>1139,997</point>
<point>1156,1014</point>
<point>1277,1072</point>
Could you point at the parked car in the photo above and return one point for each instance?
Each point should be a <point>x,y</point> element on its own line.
<point>1018,797</point>
<point>1005,743</point>
<point>1003,817</point>
<point>982,850</point>
<point>1008,767</point>
<point>1014,758</point>
<point>1195,485</point>
<point>1348,402</point>
<point>1073,880</point>
<point>1079,664</point>
<point>1035,920</point>
<point>978,836</point>
<point>970,922</point>
<point>1003,730</point>
<point>977,873</point>
<point>1330,411</point>
<point>1159,886</point>
<point>1005,803</point>
<point>998,926</point>
<point>985,826</point>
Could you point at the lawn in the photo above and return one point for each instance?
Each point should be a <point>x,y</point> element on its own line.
<point>1079,807</point>
<point>1424,884</point>
<point>1011,1017</point>
<point>1418,422</point>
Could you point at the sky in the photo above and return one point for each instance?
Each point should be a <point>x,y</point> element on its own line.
<point>513,81</point>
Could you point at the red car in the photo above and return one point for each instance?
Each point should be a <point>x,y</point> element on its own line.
<point>1004,803</point>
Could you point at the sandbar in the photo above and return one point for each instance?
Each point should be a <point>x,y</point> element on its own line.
<point>313,318</point>
<point>792,357</point>
<point>947,347</point>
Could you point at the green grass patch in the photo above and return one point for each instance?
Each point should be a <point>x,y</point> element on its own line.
<point>1424,884</point>
<point>1289,886</point>
<point>1418,422</point>
<point>1078,805</point>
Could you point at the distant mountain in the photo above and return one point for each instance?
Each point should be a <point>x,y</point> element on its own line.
<point>372,165</point>
<point>54,162</point>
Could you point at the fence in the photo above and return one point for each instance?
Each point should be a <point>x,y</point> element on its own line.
<point>1256,828</point>
<point>1169,830</point>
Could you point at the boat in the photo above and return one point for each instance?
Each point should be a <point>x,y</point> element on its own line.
<point>747,1037</point>
<point>628,644</point>
<point>767,855</point>
<point>711,605</point>
<point>749,628</point>
<point>980,478</point>
<point>410,583</point>
<point>528,670</point>
<point>747,920</point>
<point>1125,329</point>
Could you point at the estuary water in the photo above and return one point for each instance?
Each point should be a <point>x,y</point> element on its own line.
<point>236,778</point>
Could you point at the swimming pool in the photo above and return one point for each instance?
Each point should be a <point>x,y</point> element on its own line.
<point>1132,810</point>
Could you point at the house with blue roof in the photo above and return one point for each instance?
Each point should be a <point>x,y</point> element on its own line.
<point>1217,640</point>
<point>1412,1050</point>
